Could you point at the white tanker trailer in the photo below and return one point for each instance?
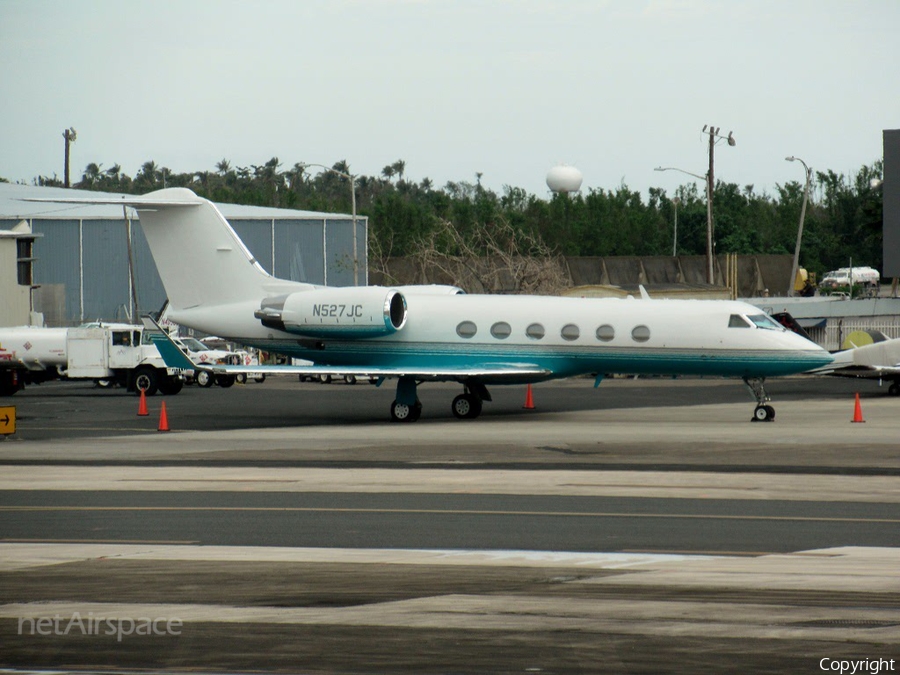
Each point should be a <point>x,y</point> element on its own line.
<point>109,353</point>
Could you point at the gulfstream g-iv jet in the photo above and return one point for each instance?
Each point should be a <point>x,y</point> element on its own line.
<point>418,334</point>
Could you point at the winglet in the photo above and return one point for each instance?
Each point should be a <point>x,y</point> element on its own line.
<point>168,350</point>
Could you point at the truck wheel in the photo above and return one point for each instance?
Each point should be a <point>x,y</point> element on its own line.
<point>146,379</point>
<point>225,380</point>
<point>171,386</point>
<point>260,378</point>
<point>241,378</point>
<point>9,383</point>
<point>203,378</point>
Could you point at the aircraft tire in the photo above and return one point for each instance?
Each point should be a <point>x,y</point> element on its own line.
<point>763,413</point>
<point>401,412</point>
<point>466,406</point>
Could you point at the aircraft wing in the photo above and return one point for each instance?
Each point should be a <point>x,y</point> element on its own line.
<point>874,361</point>
<point>175,358</point>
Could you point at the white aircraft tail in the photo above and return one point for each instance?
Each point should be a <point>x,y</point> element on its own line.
<point>200,258</point>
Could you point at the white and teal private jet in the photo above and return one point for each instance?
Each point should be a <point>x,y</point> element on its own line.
<point>418,334</point>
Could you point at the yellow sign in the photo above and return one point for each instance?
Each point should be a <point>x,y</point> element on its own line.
<point>8,419</point>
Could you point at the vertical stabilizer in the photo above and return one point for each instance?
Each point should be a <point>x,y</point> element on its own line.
<point>200,258</point>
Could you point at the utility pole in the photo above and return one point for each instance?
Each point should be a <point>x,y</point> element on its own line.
<point>69,135</point>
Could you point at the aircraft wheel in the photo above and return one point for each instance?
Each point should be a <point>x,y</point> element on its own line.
<point>466,406</point>
<point>763,413</point>
<point>401,412</point>
<point>145,380</point>
<point>894,389</point>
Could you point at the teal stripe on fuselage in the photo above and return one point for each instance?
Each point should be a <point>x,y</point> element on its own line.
<point>563,361</point>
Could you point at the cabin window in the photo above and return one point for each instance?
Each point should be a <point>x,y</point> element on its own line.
<point>535,331</point>
<point>570,332</point>
<point>764,321</point>
<point>501,330</point>
<point>466,329</point>
<point>606,333</point>
<point>737,321</point>
<point>640,334</point>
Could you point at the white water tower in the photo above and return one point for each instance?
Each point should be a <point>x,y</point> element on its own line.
<point>564,178</point>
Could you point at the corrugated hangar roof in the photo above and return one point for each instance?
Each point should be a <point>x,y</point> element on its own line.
<point>11,206</point>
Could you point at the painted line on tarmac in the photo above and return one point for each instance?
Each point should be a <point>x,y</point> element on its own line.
<point>166,542</point>
<point>449,512</point>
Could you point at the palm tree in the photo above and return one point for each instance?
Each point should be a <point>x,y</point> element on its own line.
<point>399,168</point>
<point>91,175</point>
<point>148,174</point>
<point>223,167</point>
<point>388,172</point>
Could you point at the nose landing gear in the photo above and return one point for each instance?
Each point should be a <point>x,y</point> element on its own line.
<point>763,411</point>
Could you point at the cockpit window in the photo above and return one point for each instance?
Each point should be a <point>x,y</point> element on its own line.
<point>737,321</point>
<point>763,321</point>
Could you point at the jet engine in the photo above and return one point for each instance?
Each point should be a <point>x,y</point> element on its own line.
<point>352,312</point>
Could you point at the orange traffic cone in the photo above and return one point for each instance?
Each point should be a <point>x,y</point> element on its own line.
<point>142,406</point>
<point>163,418</point>
<point>529,399</point>
<point>857,412</point>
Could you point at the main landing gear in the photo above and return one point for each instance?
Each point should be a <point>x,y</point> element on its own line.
<point>763,411</point>
<point>407,407</point>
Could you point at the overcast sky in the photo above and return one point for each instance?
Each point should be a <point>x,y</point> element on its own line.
<point>507,88</point>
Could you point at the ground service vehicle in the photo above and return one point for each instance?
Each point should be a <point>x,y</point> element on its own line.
<point>108,353</point>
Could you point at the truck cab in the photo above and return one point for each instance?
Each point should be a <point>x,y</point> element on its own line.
<point>120,353</point>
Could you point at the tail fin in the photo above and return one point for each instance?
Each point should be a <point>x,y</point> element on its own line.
<point>200,259</point>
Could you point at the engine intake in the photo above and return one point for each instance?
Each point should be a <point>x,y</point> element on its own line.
<point>353,312</point>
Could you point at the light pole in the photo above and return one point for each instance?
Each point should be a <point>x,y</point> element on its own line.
<point>709,266</point>
<point>714,137</point>
<point>352,179</point>
<point>675,203</point>
<point>796,264</point>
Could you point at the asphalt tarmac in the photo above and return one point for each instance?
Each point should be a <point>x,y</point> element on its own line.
<point>643,526</point>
